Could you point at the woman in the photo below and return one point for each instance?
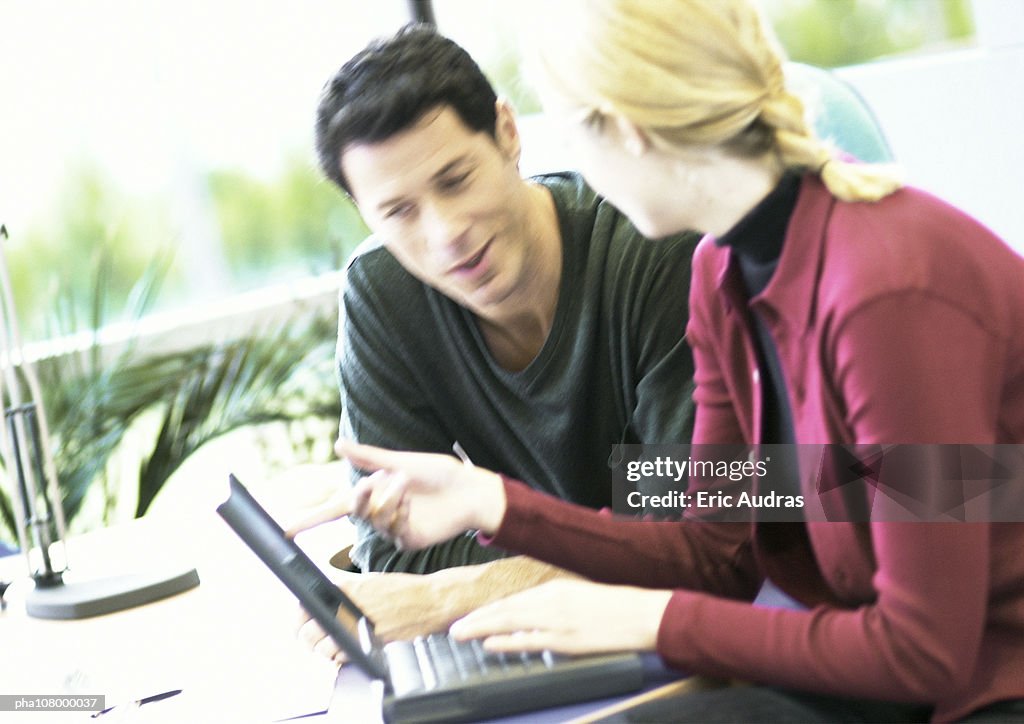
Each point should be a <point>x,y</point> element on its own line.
<point>828,305</point>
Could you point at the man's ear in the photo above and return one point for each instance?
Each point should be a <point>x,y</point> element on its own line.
<point>506,132</point>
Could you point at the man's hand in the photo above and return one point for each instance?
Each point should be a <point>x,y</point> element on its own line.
<point>570,617</point>
<point>310,633</point>
<point>405,605</point>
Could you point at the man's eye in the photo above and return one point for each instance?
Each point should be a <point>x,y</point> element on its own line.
<point>398,212</point>
<point>451,183</point>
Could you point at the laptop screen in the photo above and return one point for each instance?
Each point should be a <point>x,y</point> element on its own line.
<point>315,592</point>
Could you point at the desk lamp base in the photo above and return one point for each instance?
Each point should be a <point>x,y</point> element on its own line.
<point>106,595</point>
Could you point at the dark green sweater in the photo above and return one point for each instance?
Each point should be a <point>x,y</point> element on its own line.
<point>416,374</point>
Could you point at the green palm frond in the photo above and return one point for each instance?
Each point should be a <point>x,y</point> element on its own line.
<point>7,514</point>
<point>82,392</point>
<point>217,389</point>
<point>281,374</point>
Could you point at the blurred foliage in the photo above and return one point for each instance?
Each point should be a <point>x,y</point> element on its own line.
<point>832,33</point>
<point>50,261</point>
<point>291,226</point>
<point>825,33</point>
<point>298,220</point>
<point>504,69</point>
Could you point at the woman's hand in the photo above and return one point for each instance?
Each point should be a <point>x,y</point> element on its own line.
<point>569,617</point>
<point>416,499</point>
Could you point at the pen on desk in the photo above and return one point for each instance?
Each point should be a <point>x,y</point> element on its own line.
<point>139,702</point>
<point>460,451</point>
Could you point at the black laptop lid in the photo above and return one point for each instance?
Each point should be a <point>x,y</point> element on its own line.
<point>315,592</point>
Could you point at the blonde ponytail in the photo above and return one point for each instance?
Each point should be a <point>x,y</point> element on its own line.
<point>860,181</point>
<point>799,147</point>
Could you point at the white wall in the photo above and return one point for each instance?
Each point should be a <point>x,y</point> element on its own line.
<point>955,120</point>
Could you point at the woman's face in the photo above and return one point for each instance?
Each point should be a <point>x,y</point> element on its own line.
<point>649,186</point>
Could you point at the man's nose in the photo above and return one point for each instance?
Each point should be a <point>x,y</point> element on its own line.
<point>443,225</point>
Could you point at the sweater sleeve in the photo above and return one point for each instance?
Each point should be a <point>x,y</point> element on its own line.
<point>917,641</point>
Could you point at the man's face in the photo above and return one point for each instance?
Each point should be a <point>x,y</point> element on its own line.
<point>450,205</point>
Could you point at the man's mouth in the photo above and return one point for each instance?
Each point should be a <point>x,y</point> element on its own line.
<point>472,262</point>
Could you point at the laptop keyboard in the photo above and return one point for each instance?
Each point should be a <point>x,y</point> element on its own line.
<point>439,661</point>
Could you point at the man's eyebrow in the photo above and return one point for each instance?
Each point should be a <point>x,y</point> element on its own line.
<point>390,203</point>
<point>448,167</point>
<point>443,171</point>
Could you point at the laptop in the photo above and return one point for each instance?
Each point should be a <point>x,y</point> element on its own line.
<point>431,678</point>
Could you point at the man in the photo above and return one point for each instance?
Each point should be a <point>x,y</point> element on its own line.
<point>523,322</point>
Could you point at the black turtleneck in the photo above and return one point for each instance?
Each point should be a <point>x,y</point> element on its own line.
<point>756,239</point>
<point>756,244</point>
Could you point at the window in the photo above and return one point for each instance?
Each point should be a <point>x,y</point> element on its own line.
<point>186,129</point>
<point>179,128</point>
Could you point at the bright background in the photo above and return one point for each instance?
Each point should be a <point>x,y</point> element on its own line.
<point>186,126</point>
<point>156,162</point>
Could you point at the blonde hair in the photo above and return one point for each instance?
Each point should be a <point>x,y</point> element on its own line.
<point>693,72</point>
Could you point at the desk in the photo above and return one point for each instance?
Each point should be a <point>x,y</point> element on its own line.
<point>229,643</point>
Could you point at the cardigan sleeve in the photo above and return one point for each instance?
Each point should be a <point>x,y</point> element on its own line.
<point>656,554</point>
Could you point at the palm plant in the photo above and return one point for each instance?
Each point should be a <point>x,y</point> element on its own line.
<point>278,376</point>
<point>283,373</point>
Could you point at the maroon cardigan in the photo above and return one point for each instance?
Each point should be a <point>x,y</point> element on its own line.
<point>900,321</point>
